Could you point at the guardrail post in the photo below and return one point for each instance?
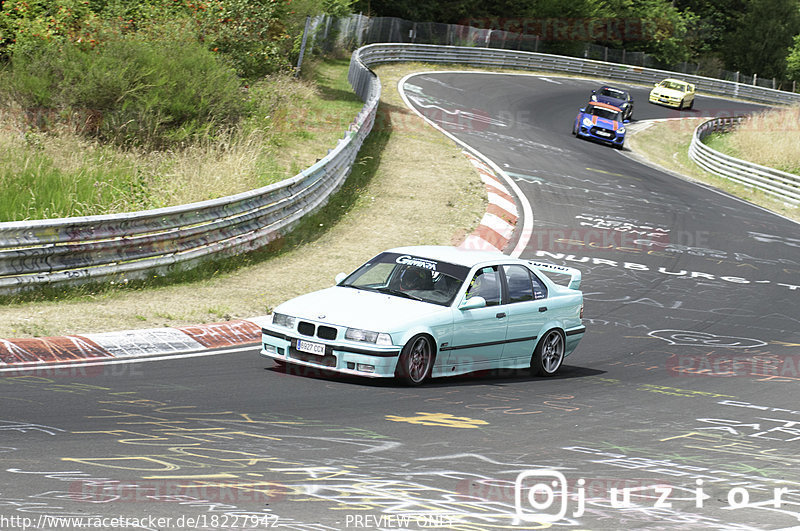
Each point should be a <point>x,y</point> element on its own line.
<point>302,47</point>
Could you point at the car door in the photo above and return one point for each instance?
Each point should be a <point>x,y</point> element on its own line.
<point>479,333</point>
<point>526,311</point>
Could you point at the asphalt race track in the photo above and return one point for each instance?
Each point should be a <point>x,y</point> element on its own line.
<point>679,409</point>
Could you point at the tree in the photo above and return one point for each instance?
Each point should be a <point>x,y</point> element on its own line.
<point>793,60</point>
<point>763,33</point>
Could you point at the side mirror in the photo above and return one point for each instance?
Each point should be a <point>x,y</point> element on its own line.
<point>594,92</point>
<point>340,277</point>
<point>582,110</point>
<point>472,303</point>
<point>626,121</point>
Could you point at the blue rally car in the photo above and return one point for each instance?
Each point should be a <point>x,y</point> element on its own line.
<point>601,121</point>
<point>616,97</point>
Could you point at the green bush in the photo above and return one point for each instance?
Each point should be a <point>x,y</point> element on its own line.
<point>149,93</point>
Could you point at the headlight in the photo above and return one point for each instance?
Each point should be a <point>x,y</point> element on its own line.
<point>281,319</point>
<point>594,98</point>
<point>356,334</point>
<point>587,122</point>
<point>624,105</point>
<point>621,131</point>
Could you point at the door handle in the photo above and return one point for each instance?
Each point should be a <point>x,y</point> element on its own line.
<point>543,308</point>
<point>500,315</point>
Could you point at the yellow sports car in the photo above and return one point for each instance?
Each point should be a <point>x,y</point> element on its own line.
<point>673,93</point>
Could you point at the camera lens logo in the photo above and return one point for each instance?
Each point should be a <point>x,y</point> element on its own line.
<point>535,494</point>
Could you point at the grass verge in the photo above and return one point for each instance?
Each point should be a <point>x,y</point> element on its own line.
<point>410,186</point>
<point>666,144</point>
<point>769,138</point>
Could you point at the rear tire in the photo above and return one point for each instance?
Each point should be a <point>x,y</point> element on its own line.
<point>549,354</point>
<point>416,361</point>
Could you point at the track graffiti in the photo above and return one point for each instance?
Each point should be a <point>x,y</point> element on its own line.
<point>691,338</point>
<point>682,273</point>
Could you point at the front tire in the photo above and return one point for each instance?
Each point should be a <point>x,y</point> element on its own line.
<point>416,361</point>
<point>549,354</point>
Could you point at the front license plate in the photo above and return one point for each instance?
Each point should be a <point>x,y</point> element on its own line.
<point>604,133</point>
<point>310,348</point>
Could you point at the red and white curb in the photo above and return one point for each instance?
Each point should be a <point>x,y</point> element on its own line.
<point>33,352</point>
<point>497,225</point>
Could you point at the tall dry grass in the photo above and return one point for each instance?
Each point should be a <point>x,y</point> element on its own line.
<point>60,173</point>
<point>771,138</point>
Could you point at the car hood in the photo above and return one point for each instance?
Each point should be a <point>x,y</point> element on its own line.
<point>602,122</point>
<point>358,308</point>
<point>663,91</point>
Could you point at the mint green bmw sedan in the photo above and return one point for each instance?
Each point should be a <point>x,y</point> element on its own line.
<point>415,313</point>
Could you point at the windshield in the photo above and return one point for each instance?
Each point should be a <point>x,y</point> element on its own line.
<point>602,112</point>
<point>614,93</point>
<point>411,277</point>
<point>674,85</point>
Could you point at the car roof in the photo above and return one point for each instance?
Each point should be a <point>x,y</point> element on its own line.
<point>612,88</point>
<point>605,105</point>
<point>453,255</point>
<point>675,80</point>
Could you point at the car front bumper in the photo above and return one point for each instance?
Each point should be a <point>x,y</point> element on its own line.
<point>665,100</point>
<point>347,358</point>
<point>614,138</point>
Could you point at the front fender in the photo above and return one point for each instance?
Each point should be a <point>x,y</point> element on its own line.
<point>440,334</point>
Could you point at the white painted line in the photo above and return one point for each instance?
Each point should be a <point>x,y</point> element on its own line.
<point>52,366</point>
<point>527,218</point>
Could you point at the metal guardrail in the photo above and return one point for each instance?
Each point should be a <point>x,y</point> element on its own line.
<point>784,186</point>
<point>147,243</point>
<point>137,245</point>
<point>512,59</point>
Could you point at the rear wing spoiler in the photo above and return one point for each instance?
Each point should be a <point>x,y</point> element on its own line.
<point>574,274</point>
